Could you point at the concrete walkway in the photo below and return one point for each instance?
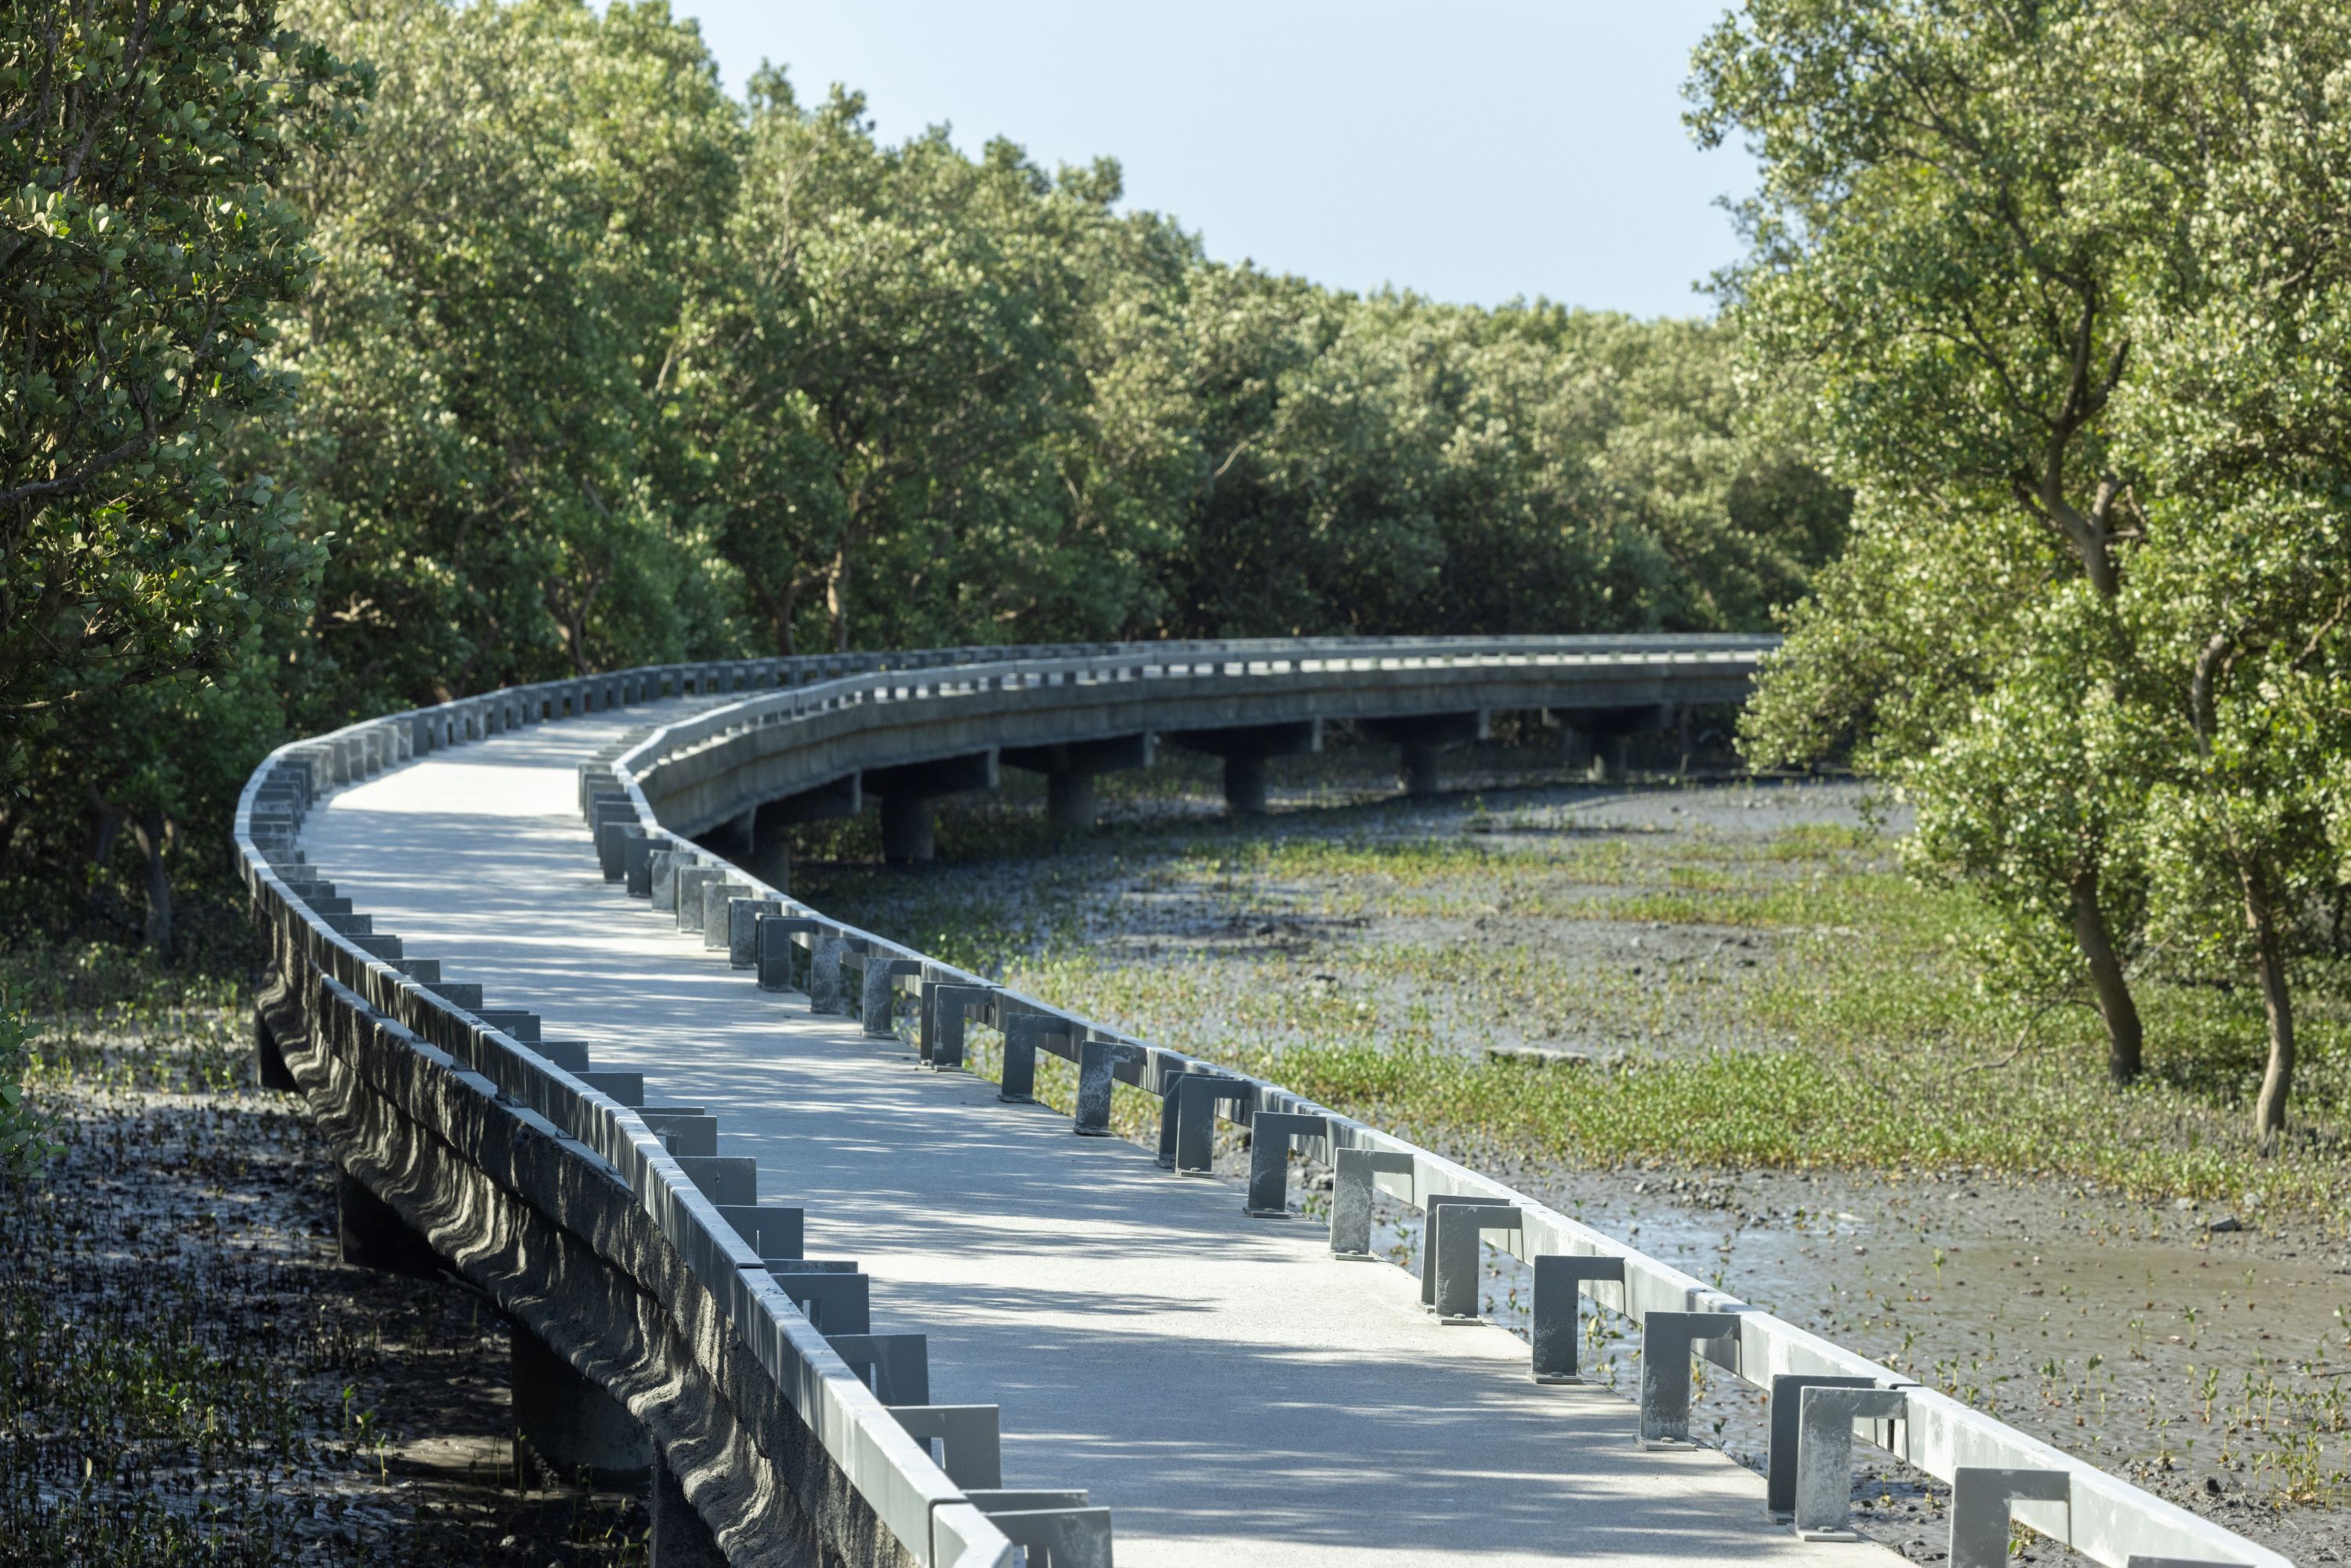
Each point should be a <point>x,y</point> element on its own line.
<point>1232,1394</point>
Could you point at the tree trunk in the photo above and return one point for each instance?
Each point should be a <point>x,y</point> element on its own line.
<point>149,830</point>
<point>2277,1000</point>
<point>106,828</point>
<point>782,609</point>
<point>2125,1038</point>
<point>836,596</point>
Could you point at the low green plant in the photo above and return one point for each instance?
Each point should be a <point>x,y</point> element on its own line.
<point>25,1142</point>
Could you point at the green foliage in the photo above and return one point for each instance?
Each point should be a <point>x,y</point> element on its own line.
<point>2070,316</point>
<point>144,250</point>
<point>488,361</point>
<point>598,366</point>
<point>1391,464</point>
<point>891,353</point>
<point>25,1144</point>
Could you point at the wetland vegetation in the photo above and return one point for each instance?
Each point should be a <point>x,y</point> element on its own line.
<point>1767,1054</point>
<point>188,1374</point>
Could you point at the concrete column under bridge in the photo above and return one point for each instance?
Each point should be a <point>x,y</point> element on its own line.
<point>1422,736</point>
<point>910,795</point>
<point>370,1234</point>
<point>566,1427</point>
<point>1070,771</point>
<point>1596,741</point>
<point>770,851</point>
<point>1246,749</point>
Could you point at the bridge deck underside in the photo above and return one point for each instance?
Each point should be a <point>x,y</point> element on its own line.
<point>1227,1389</point>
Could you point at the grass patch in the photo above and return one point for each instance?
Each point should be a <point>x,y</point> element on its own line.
<point>1783,998</point>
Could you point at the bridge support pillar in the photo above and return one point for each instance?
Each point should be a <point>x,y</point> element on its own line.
<point>1071,770</point>
<point>269,1062</point>
<point>1070,803</point>
<point>1575,749</point>
<point>1246,749</point>
<point>679,1537</point>
<point>1422,736</point>
<point>909,829</point>
<point>374,1236</point>
<point>569,1427</point>
<point>1419,768</point>
<point>769,847</point>
<point>909,800</point>
<point>1244,793</point>
<point>1603,734</point>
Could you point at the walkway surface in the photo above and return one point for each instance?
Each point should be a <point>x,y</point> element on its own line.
<point>1230,1391</point>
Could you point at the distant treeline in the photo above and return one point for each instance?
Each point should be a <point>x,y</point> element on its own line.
<point>387,351</point>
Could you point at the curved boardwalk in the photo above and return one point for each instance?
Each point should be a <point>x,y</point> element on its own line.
<point>1227,1389</point>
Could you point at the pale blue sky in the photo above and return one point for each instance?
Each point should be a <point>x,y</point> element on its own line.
<point>1472,151</point>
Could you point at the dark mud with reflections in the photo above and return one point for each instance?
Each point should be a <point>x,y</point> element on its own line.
<point>188,1374</point>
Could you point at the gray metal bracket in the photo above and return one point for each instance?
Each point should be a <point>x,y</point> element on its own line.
<point>834,1301</point>
<point>1557,1331</point>
<point>743,917</point>
<point>772,948</point>
<point>1270,1135</point>
<point>1786,1405</point>
<point>896,1367</point>
<point>772,1230</point>
<point>1023,1500</point>
<point>1354,1172</point>
<point>1980,1496</point>
<point>945,1008</point>
<point>628,1088</point>
<point>971,1444</point>
<point>1432,1251</point>
<point>1058,1537</point>
<point>683,1133</point>
<point>1098,1065</point>
<point>722,1178</point>
<point>1665,1341</point>
<point>1187,1117</point>
<point>1024,1034</point>
<point>1824,1454</point>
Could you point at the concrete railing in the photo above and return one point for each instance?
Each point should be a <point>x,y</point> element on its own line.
<point>558,1199</point>
<point>395,1058</point>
